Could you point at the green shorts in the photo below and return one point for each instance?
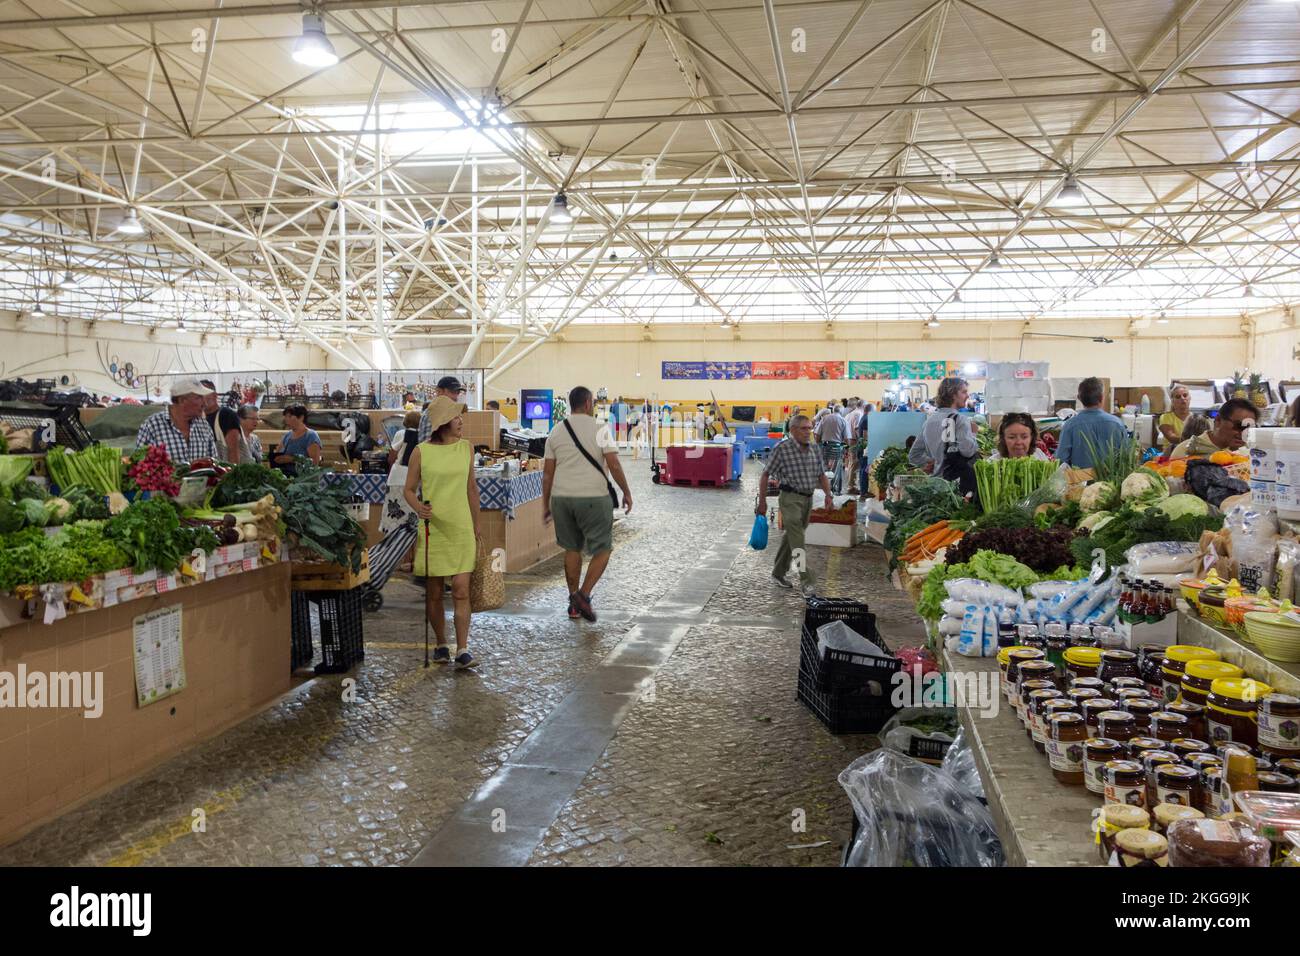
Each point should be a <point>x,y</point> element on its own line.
<point>584,524</point>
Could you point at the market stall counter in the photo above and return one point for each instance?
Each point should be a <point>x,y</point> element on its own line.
<point>512,518</point>
<point>159,674</point>
<point>1041,821</point>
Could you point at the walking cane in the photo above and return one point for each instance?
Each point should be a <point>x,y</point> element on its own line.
<point>426,592</point>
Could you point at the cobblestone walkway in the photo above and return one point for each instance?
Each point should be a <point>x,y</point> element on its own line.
<point>709,763</point>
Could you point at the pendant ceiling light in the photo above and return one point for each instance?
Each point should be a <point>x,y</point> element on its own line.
<point>313,48</point>
<point>37,312</point>
<point>131,225</point>
<point>560,214</point>
<point>1071,194</point>
<point>68,283</point>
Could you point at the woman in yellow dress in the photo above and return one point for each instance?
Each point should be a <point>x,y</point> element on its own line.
<point>442,474</point>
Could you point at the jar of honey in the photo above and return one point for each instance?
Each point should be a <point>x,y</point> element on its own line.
<point>1195,715</point>
<point>1116,724</point>
<point>1150,759</point>
<point>1176,784</point>
<point>1137,746</point>
<point>1232,708</point>
<point>1169,726</point>
<point>1278,724</point>
<point>1082,662</point>
<point>1027,687</point>
<point>1199,675</point>
<point>1097,752</point>
<point>1092,707</point>
<point>1117,663</point>
<point>1141,708</point>
<point>1065,750</point>
<point>1173,664</point>
<point>1046,711</point>
<point>1009,665</point>
<point>1125,782</point>
<point>1037,725</point>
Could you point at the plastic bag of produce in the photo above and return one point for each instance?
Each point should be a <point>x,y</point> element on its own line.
<point>973,590</point>
<point>1162,557</point>
<point>911,814</point>
<point>1254,544</point>
<point>926,723</point>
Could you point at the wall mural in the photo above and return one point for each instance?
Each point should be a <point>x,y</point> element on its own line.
<point>822,371</point>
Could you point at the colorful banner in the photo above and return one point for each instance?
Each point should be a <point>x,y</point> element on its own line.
<point>821,371</point>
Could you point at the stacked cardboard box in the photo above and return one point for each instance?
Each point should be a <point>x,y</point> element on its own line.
<point>483,428</point>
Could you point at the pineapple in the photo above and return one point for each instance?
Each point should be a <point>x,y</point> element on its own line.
<point>1238,384</point>
<point>1257,393</point>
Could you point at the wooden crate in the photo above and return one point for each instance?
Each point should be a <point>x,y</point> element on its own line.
<point>326,576</point>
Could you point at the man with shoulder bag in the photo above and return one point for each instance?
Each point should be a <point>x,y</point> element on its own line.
<point>581,455</point>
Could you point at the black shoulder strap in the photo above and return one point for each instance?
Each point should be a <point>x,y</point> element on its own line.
<point>585,454</point>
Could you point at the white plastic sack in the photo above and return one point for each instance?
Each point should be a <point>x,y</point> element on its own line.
<point>1163,557</point>
<point>838,636</point>
<point>911,814</point>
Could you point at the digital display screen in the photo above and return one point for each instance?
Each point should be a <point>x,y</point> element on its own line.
<point>538,410</point>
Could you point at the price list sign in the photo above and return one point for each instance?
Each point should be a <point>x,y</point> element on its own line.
<point>159,655</point>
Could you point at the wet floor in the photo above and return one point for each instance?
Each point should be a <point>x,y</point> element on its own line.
<point>666,733</point>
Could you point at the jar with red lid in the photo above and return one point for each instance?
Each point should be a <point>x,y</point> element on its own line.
<point>1116,724</point>
<point>1278,725</point>
<point>1097,752</point>
<point>1195,715</point>
<point>1125,782</point>
<point>1185,746</point>
<point>1027,687</point>
<point>1199,675</point>
<point>1141,708</point>
<point>1169,726</point>
<point>1150,759</point>
<point>1092,707</point>
<point>1065,750</point>
<point>1176,784</point>
<point>1118,663</point>
<point>1037,725</point>
<point>1046,711</point>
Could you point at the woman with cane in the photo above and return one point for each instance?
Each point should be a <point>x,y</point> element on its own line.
<point>442,472</point>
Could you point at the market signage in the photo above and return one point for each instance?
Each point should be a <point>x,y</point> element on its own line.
<point>820,371</point>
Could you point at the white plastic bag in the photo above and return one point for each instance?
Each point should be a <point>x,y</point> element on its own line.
<point>1162,557</point>
<point>840,637</point>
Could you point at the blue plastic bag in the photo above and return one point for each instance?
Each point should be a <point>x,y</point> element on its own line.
<point>758,535</point>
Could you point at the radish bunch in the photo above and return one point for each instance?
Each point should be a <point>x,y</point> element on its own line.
<point>154,472</point>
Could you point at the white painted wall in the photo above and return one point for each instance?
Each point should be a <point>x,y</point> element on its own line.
<point>49,348</point>
<point>612,356</point>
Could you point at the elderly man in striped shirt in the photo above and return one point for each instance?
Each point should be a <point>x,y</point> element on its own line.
<point>796,465</point>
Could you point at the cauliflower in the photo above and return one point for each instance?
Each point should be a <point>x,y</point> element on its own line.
<point>1144,486</point>
<point>1095,521</point>
<point>1099,496</point>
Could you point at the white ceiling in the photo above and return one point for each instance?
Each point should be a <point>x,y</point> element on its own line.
<point>823,160</point>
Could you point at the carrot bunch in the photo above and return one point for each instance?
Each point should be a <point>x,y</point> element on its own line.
<point>927,542</point>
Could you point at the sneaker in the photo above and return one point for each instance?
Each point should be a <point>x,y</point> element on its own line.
<point>465,660</point>
<point>442,654</point>
<point>574,613</point>
<point>781,582</point>
<point>582,603</point>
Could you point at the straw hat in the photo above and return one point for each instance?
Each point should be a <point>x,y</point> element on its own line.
<point>442,410</point>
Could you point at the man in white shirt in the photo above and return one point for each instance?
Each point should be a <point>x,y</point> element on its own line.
<point>576,492</point>
<point>853,419</point>
<point>833,435</point>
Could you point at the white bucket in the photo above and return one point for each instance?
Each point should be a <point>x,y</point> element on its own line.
<point>1261,446</point>
<point>1286,454</point>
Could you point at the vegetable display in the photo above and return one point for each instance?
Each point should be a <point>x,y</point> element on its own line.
<point>317,521</point>
<point>98,468</point>
<point>1116,461</point>
<point>151,534</point>
<point>248,482</point>
<point>925,503</point>
<point>1099,496</point>
<point>151,469</point>
<point>13,470</point>
<point>1130,526</point>
<point>1038,550</point>
<point>892,461</point>
<point>1006,481</point>
<point>1143,486</point>
<point>930,539</point>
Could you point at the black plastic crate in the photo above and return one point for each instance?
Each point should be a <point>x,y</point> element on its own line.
<point>838,670</point>
<point>853,712</point>
<point>334,620</point>
<point>821,610</point>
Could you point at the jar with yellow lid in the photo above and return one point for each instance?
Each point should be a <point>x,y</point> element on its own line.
<point>1175,662</point>
<point>1199,675</point>
<point>1009,659</point>
<point>1232,709</point>
<point>1082,662</point>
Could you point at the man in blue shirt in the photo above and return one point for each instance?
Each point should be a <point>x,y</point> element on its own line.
<point>1100,428</point>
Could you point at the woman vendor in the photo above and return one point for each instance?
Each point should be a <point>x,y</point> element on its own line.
<point>1018,437</point>
<point>1173,423</point>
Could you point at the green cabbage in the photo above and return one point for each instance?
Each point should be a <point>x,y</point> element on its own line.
<point>1099,496</point>
<point>1177,506</point>
<point>1144,486</point>
<point>1097,519</point>
<point>34,512</point>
